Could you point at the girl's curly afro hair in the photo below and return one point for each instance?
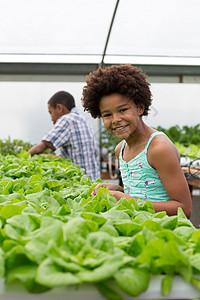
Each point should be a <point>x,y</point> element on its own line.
<point>123,79</point>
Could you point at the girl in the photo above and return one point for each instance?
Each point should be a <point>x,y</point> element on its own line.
<point>149,161</point>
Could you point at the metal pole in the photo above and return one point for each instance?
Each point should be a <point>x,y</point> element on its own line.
<point>101,65</point>
<point>109,32</point>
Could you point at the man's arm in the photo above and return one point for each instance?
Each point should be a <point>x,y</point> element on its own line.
<point>37,149</point>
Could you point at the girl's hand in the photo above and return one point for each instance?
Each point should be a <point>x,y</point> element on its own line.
<point>118,195</point>
<point>109,186</point>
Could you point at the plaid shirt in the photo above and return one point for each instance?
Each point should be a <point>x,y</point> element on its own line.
<point>73,135</point>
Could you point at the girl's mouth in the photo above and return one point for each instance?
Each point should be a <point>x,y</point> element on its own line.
<point>119,129</point>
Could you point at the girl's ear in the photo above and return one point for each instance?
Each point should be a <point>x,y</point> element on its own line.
<point>141,108</point>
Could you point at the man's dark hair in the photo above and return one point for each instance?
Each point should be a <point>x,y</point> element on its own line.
<point>123,79</point>
<point>63,98</point>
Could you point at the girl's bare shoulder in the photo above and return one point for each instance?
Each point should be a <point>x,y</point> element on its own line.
<point>161,145</point>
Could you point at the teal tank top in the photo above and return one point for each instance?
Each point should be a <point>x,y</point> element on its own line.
<point>139,178</point>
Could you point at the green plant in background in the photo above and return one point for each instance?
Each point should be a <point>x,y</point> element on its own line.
<point>183,135</point>
<point>186,139</point>
<point>191,150</point>
<point>14,147</point>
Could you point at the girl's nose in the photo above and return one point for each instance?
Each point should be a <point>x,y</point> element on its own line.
<point>116,118</point>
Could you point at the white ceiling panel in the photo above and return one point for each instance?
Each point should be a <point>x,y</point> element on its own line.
<point>66,31</point>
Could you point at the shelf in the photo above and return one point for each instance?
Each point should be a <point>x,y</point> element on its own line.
<point>180,291</point>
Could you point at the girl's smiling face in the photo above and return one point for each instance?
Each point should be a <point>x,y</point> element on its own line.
<point>120,115</point>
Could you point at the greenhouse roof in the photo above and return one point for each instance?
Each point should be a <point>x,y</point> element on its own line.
<point>74,37</point>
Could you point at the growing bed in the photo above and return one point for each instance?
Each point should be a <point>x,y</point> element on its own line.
<point>58,241</point>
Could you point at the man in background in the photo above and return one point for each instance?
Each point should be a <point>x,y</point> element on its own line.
<point>71,133</point>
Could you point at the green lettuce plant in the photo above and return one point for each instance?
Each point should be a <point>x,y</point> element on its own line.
<point>53,233</point>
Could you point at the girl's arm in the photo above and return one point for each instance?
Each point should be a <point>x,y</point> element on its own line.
<point>115,189</point>
<point>164,157</point>
<point>110,186</point>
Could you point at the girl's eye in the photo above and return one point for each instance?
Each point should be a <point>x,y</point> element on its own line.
<point>123,109</point>
<point>106,115</point>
